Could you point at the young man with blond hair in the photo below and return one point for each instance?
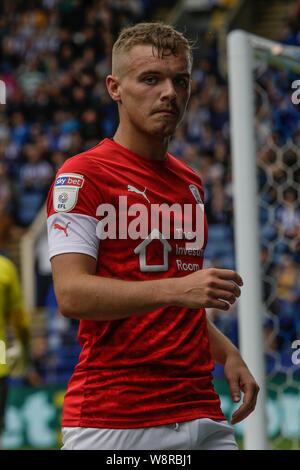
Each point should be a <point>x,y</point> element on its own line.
<point>127,233</point>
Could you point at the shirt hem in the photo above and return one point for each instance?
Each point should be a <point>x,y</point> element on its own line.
<point>86,423</point>
<point>72,249</point>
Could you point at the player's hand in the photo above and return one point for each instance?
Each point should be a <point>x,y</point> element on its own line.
<point>209,288</point>
<point>240,380</point>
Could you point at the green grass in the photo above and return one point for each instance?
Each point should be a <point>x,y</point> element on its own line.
<point>277,444</point>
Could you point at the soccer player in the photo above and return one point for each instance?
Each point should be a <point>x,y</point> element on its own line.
<point>125,267</point>
<point>12,312</point>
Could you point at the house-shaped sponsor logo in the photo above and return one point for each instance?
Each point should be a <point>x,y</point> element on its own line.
<point>142,248</point>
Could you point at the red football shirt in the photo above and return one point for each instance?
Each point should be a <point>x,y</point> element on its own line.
<point>149,369</point>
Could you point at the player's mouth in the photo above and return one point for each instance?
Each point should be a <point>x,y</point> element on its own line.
<point>166,112</point>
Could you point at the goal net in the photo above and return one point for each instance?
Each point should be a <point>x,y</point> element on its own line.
<point>265,137</point>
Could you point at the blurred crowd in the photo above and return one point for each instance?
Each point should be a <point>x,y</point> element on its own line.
<point>55,55</point>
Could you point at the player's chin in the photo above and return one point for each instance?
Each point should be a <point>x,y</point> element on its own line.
<point>163,131</point>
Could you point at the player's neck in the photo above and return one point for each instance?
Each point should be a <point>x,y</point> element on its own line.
<point>145,145</point>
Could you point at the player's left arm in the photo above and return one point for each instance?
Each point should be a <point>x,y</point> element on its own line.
<point>236,372</point>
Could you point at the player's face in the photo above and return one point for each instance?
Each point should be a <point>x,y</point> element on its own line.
<point>154,91</point>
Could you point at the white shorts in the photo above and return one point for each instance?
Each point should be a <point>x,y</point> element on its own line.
<point>198,434</point>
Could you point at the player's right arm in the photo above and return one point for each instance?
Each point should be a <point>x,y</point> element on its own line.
<point>85,295</point>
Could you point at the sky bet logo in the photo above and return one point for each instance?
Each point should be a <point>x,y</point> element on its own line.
<point>71,180</point>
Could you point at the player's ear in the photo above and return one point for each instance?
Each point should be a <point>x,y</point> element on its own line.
<point>113,88</point>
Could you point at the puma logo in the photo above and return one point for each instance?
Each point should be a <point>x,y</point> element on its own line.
<point>64,229</point>
<point>143,193</point>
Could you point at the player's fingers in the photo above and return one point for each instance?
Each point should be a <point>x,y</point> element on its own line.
<point>226,286</point>
<point>248,405</point>
<point>241,413</point>
<point>224,295</point>
<point>230,275</point>
<point>234,389</point>
<point>218,304</point>
<point>249,401</point>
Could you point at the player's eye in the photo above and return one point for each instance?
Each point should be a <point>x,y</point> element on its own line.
<point>151,80</point>
<point>183,82</point>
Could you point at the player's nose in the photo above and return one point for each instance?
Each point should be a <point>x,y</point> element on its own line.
<point>168,90</point>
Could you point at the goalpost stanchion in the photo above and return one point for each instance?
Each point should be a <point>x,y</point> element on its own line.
<point>247,246</point>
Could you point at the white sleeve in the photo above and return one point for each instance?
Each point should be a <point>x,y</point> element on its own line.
<point>72,233</point>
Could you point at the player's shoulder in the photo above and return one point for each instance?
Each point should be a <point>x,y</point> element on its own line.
<point>86,162</point>
<point>80,182</point>
<point>185,171</point>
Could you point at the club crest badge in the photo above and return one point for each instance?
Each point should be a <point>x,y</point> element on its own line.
<point>195,192</point>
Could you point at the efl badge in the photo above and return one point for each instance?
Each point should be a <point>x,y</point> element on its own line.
<point>65,192</point>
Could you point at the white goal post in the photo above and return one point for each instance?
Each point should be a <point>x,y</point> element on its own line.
<point>243,48</point>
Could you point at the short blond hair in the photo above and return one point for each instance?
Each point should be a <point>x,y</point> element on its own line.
<point>162,37</point>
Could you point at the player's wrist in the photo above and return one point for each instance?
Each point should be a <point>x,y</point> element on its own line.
<point>167,292</point>
<point>232,354</point>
